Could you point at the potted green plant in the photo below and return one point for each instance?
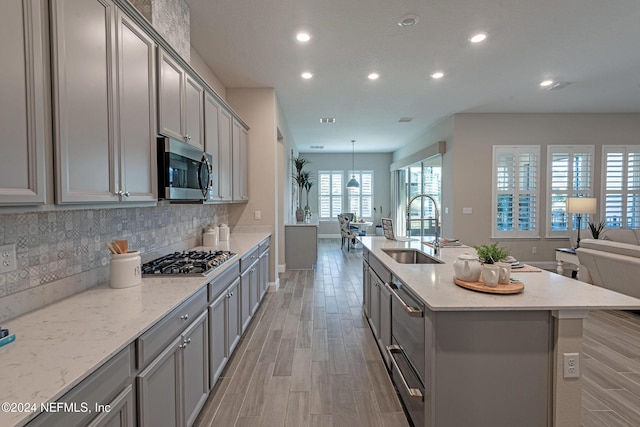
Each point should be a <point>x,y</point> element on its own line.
<point>300,177</point>
<point>307,186</point>
<point>597,229</point>
<point>490,254</point>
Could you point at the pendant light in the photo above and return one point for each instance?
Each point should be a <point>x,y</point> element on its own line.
<point>353,182</point>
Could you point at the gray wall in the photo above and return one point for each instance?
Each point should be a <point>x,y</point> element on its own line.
<point>62,252</point>
<point>378,162</point>
<point>467,165</point>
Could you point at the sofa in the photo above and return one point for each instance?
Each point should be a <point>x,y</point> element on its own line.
<point>613,261</point>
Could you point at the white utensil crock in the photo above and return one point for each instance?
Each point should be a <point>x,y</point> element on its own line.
<point>125,270</point>
<point>223,233</point>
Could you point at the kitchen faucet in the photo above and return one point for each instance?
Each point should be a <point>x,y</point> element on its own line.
<point>436,243</point>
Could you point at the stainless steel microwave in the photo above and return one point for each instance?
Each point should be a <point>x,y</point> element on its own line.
<point>184,171</point>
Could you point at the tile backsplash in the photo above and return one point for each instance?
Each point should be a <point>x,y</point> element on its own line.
<point>63,252</point>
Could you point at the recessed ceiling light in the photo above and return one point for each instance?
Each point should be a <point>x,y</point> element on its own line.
<point>437,75</point>
<point>373,76</point>
<point>303,37</point>
<point>477,38</point>
<point>306,75</point>
<point>405,119</point>
<point>408,20</point>
<point>546,83</point>
<point>328,120</point>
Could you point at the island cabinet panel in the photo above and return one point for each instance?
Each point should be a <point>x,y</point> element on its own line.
<point>98,390</point>
<point>23,117</point>
<point>498,363</point>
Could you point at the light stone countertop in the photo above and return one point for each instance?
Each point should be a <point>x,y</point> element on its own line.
<point>544,290</point>
<point>59,345</point>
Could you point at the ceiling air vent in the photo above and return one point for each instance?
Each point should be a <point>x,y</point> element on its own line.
<point>317,147</point>
<point>405,119</point>
<point>327,120</point>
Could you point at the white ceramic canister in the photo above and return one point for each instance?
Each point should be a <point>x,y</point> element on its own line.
<point>223,232</point>
<point>210,237</point>
<point>490,274</point>
<point>505,272</point>
<point>125,270</point>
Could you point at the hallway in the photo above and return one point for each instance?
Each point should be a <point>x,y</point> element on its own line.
<point>308,357</point>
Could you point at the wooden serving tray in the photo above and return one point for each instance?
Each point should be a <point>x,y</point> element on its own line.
<point>511,288</point>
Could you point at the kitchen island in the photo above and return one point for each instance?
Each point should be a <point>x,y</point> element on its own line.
<point>489,360</point>
<point>67,353</point>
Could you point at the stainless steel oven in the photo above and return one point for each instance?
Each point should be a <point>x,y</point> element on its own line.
<point>184,171</point>
<point>407,353</point>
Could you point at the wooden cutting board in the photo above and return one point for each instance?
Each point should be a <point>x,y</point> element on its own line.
<point>511,288</point>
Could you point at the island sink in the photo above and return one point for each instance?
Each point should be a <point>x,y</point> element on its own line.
<point>411,256</point>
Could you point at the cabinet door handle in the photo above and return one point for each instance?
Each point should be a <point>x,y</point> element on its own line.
<point>414,393</point>
<point>126,194</point>
<point>411,311</point>
<point>184,317</point>
<point>119,193</point>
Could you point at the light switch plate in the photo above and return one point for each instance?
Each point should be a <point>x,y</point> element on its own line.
<point>467,211</point>
<point>8,258</point>
<point>257,215</point>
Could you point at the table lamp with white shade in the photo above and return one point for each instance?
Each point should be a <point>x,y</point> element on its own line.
<point>579,206</point>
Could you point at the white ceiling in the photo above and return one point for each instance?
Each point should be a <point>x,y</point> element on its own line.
<point>594,44</point>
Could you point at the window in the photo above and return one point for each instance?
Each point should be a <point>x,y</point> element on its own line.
<point>570,174</point>
<point>422,178</point>
<point>361,198</point>
<point>515,191</point>
<point>621,186</point>
<point>330,185</point>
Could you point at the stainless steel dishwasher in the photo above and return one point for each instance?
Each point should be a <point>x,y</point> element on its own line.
<point>407,351</point>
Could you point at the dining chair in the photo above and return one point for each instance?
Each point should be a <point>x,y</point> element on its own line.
<point>346,233</point>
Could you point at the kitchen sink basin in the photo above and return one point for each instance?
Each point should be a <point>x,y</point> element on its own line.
<point>411,256</point>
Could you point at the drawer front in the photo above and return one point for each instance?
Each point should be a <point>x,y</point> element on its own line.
<point>264,245</point>
<point>155,339</point>
<point>222,282</point>
<point>99,388</point>
<point>249,258</point>
<point>380,269</point>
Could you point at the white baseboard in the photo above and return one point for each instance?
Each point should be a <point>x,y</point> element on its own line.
<point>274,286</point>
<point>282,268</point>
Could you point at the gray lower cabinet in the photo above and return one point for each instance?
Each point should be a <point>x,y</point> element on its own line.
<point>108,386</point>
<point>23,106</point>
<point>264,271</point>
<point>121,412</point>
<point>224,329</point>
<point>248,294</point>
<point>173,388</point>
<point>377,303</point>
<point>104,104</point>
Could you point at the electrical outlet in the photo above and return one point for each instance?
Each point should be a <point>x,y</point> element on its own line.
<point>257,215</point>
<point>8,258</point>
<point>534,250</point>
<point>571,362</point>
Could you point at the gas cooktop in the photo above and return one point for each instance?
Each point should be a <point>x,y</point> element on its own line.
<point>187,263</point>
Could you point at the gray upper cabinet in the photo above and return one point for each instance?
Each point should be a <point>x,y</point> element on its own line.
<point>83,86</point>
<point>240,140</point>
<point>194,112</point>
<point>137,112</point>
<point>104,104</point>
<point>226,155</point>
<point>24,118</point>
<point>180,102</point>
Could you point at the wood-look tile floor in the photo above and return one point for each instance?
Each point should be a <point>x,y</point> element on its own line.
<point>308,357</point>
<point>611,369</point>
